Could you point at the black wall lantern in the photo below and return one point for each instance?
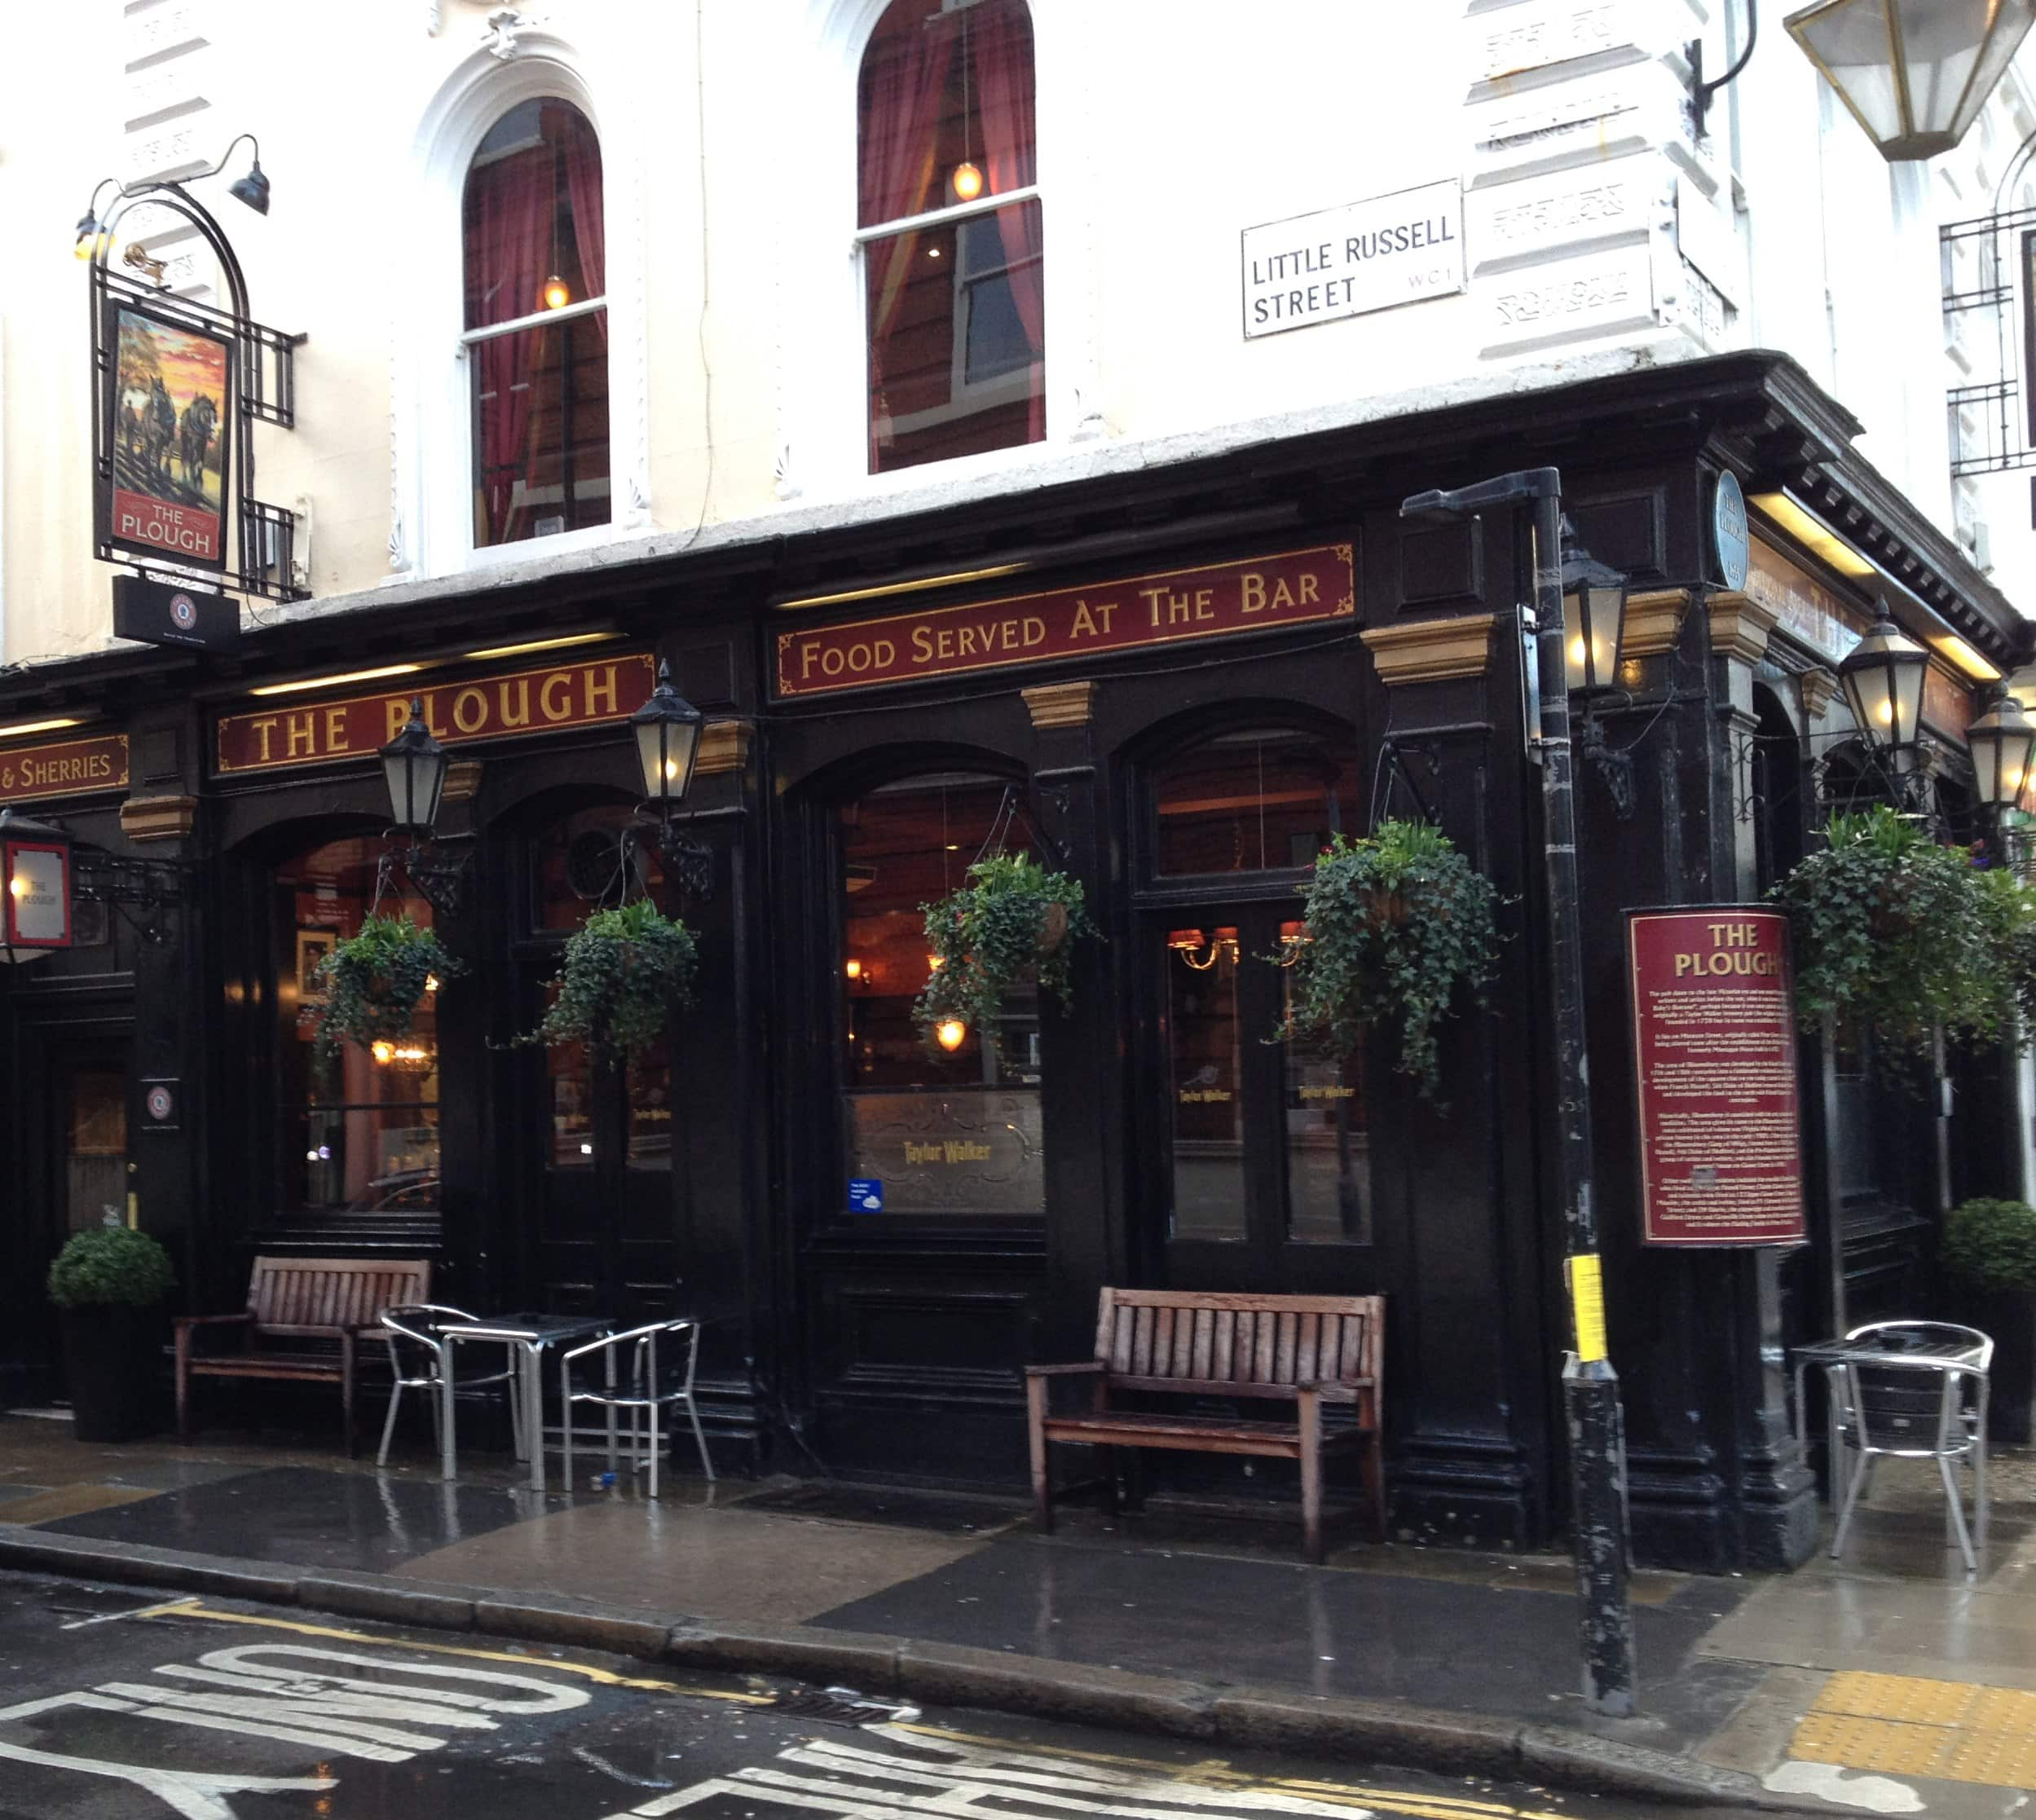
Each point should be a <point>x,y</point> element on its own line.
<point>414,765</point>
<point>666,729</point>
<point>2002,743</point>
<point>35,889</point>
<point>1594,617</point>
<point>1883,680</point>
<point>1915,73</point>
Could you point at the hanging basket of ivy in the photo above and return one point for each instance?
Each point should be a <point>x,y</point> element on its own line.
<point>1397,923</point>
<point>373,982</point>
<point>1012,914</point>
<point>1893,930</point>
<point>626,971</point>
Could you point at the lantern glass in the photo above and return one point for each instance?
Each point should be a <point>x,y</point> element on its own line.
<point>668,734</point>
<point>1883,680</point>
<point>2002,743</point>
<point>1593,622</point>
<point>1915,73</point>
<point>414,765</point>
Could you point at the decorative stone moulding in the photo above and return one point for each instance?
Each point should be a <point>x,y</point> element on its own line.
<point>1652,621</point>
<point>723,747</point>
<point>1740,627</point>
<point>1815,690</point>
<point>1060,704</point>
<point>158,817</point>
<point>1431,650</point>
<point>462,781</point>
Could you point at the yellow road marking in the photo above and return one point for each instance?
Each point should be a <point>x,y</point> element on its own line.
<point>1217,1770</point>
<point>605,1676</point>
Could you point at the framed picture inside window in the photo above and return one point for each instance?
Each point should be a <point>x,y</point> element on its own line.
<point>313,945</point>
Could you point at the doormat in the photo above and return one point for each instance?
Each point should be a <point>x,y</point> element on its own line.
<point>945,1514</point>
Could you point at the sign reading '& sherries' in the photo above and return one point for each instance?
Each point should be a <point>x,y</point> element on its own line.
<point>1714,1056</point>
<point>71,768</point>
<point>1263,595</point>
<point>1344,262</point>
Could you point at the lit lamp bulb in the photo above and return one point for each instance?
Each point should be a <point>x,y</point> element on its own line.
<point>950,1034</point>
<point>853,969</point>
<point>934,963</point>
<point>384,1053</point>
<point>431,982</point>
<point>1576,652</point>
<point>557,293</point>
<point>968,181</point>
<point>19,888</point>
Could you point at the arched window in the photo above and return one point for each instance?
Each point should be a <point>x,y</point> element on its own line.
<point>953,269</point>
<point>536,325</point>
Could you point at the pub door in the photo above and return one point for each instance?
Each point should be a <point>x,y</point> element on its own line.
<point>1265,1151</point>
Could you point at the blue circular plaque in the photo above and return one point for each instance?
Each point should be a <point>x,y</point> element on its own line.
<point>1728,530</point>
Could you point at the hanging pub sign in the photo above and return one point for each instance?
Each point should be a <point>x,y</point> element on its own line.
<point>552,700</point>
<point>162,492</point>
<point>154,613</point>
<point>1714,1074</point>
<point>35,889</point>
<point>1266,594</point>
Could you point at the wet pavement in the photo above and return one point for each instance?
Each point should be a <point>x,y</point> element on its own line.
<point>112,1707</point>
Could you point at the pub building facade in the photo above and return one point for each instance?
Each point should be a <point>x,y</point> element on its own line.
<point>1175,680</point>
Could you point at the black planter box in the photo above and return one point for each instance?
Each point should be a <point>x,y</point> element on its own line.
<point>109,1366</point>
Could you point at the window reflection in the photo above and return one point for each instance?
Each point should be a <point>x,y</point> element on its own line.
<point>1204,1038</point>
<point>1327,1135</point>
<point>1252,802</point>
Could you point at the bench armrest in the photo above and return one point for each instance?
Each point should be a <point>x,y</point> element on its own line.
<point>1336,1389</point>
<point>1088,1368</point>
<point>186,1321</point>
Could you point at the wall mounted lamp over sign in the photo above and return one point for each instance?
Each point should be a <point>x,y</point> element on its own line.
<point>1915,73</point>
<point>2002,743</point>
<point>667,735</point>
<point>414,765</point>
<point>35,887</point>
<point>1594,616</point>
<point>1883,680</point>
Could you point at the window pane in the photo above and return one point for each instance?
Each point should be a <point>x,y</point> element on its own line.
<point>940,91</point>
<point>1252,802</point>
<point>1203,1038</point>
<point>540,430</point>
<point>532,212</point>
<point>945,1131</point>
<point>577,868</point>
<point>1328,1139</point>
<point>360,1130</point>
<point>957,342</point>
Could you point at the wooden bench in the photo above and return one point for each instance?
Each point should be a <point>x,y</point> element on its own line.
<point>1306,1349</point>
<point>323,1304</point>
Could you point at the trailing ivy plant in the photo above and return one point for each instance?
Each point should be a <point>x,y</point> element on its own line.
<point>626,971</point>
<point>1893,930</point>
<point>374,981</point>
<point>110,1266</point>
<point>1011,915</point>
<point>1397,923</point>
<point>1990,1245</point>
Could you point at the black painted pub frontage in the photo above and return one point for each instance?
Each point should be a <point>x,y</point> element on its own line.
<point>880,712</point>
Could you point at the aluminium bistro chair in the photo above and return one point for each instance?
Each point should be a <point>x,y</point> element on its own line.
<point>633,1379</point>
<point>420,1359</point>
<point>1928,1402</point>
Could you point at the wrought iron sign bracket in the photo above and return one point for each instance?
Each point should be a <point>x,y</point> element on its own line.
<point>142,891</point>
<point>436,868</point>
<point>688,860</point>
<point>1614,764</point>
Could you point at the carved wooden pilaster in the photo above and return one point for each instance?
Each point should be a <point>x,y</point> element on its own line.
<point>1431,650</point>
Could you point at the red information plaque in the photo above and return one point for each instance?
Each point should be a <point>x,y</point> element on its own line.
<point>1714,1056</point>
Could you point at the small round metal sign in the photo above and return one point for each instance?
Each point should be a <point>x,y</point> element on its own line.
<point>161,1103</point>
<point>184,610</point>
<point>1729,536</point>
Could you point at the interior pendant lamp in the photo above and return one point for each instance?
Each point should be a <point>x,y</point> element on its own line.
<point>1915,73</point>
<point>1883,680</point>
<point>2002,743</point>
<point>1593,618</point>
<point>668,731</point>
<point>415,765</point>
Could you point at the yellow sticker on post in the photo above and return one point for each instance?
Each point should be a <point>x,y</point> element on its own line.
<point>1585,1273</point>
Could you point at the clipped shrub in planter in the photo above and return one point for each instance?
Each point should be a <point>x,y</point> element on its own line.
<point>1012,914</point>
<point>1892,929</point>
<point>626,971</point>
<point>1397,923</point>
<point>374,980</point>
<point>1988,1258</point>
<point>108,1284</point>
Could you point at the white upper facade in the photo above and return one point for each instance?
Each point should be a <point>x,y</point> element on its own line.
<point>1238,217</point>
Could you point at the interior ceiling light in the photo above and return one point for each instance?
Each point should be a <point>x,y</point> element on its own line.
<point>557,292</point>
<point>1967,659</point>
<point>1812,533</point>
<point>924,582</point>
<point>333,682</point>
<point>39,726</point>
<point>542,645</point>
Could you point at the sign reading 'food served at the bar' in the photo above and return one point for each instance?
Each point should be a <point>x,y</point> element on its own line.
<point>551,700</point>
<point>71,768</point>
<point>1714,1058</point>
<point>1260,596</point>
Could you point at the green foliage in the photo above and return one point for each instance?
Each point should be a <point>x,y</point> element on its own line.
<point>110,1265</point>
<point>1894,930</point>
<point>625,971</point>
<point>986,934</point>
<point>372,982</point>
<point>1991,1245</point>
<point>1397,921</point>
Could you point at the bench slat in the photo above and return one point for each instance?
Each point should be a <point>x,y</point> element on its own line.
<point>1204,1344</point>
<point>1163,1343</point>
<point>1224,1351</point>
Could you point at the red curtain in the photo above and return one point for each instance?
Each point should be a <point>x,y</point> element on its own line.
<point>904,76</point>
<point>590,223</point>
<point>509,236</point>
<point>1001,37</point>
